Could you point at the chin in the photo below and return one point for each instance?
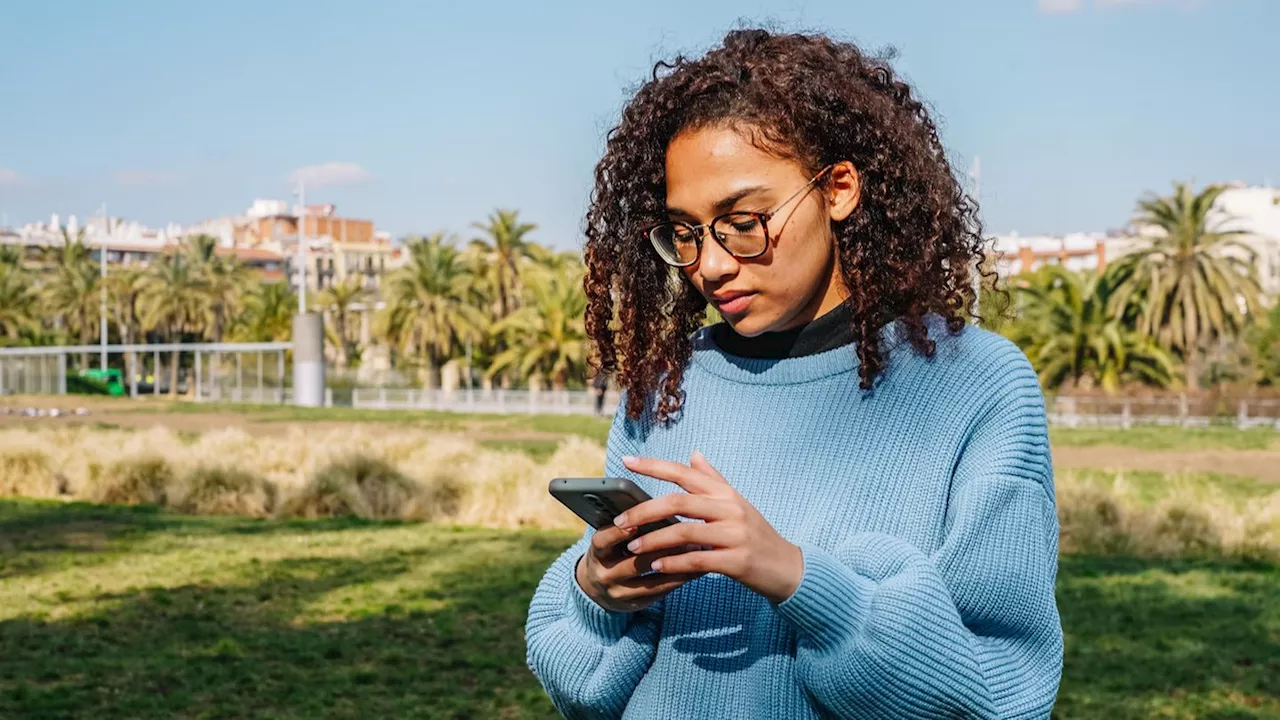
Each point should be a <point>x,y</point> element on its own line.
<point>748,326</point>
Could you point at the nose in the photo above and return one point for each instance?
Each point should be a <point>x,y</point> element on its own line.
<point>715,264</point>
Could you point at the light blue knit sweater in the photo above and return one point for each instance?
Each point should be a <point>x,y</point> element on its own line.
<point>925,512</point>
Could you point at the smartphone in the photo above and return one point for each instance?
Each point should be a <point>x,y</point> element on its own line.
<point>599,500</point>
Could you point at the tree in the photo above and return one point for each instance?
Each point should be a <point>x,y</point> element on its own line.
<point>1072,338</point>
<point>1265,344</point>
<point>268,314</point>
<point>71,295</point>
<point>224,279</point>
<point>175,300</point>
<point>430,302</point>
<point>1192,280</point>
<point>18,301</point>
<point>124,290</point>
<point>504,248</point>
<point>337,301</point>
<point>547,334</point>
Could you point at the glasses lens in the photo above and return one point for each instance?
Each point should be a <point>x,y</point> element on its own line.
<point>742,233</point>
<point>676,242</point>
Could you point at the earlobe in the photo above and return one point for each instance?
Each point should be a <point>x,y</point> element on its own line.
<point>845,190</point>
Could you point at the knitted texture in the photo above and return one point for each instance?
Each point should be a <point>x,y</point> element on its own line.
<point>925,513</point>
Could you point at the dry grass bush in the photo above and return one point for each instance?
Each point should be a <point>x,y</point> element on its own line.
<point>145,480</point>
<point>224,490</point>
<point>373,488</point>
<point>1188,519</point>
<point>409,474</point>
<point>365,471</point>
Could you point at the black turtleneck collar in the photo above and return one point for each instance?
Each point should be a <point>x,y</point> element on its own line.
<point>828,332</point>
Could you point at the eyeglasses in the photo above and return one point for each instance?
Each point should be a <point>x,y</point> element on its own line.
<point>744,235</point>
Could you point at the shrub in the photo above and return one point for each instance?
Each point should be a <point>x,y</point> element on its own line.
<point>28,472</point>
<point>372,488</point>
<point>225,490</point>
<point>146,480</point>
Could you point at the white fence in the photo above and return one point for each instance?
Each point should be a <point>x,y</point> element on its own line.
<point>1181,411</point>
<point>549,402</point>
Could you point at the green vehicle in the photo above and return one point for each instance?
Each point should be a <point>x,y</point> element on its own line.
<point>111,379</point>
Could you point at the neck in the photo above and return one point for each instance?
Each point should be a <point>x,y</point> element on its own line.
<point>830,330</point>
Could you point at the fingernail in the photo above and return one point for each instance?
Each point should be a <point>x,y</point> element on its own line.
<point>620,520</point>
<point>634,545</point>
<point>628,459</point>
<point>656,565</point>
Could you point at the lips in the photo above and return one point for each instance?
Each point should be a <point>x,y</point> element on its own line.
<point>732,303</point>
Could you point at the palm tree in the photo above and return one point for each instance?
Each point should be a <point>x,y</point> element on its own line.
<point>10,255</point>
<point>431,302</point>
<point>548,335</point>
<point>268,314</point>
<point>17,300</point>
<point>71,295</point>
<point>1265,344</point>
<point>337,301</point>
<point>124,290</point>
<point>1072,338</point>
<point>503,250</point>
<point>1192,281</point>
<point>224,279</point>
<point>174,299</point>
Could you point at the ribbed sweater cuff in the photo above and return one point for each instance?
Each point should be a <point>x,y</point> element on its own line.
<point>831,598</point>
<point>607,625</point>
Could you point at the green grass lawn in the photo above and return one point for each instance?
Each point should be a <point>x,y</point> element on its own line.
<point>1170,438</point>
<point>125,612</point>
<point>1151,486</point>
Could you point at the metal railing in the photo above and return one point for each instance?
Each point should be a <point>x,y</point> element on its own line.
<point>1176,411</point>
<point>550,402</point>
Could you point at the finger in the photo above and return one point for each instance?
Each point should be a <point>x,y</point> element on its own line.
<point>699,507</point>
<point>701,535</point>
<point>606,540</point>
<point>631,566</point>
<point>724,562</point>
<point>651,586</point>
<point>699,462</point>
<point>693,481</point>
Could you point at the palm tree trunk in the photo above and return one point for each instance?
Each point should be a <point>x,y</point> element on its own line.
<point>340,323</point>
<point>1192,366</point>
<point>173,367</point>
<point>502,288</point>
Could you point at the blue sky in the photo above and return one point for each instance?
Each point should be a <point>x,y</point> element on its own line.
<point>427,115</point>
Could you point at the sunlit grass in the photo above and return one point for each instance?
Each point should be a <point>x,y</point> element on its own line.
<point>1169,438</point>
<point>110,611</point>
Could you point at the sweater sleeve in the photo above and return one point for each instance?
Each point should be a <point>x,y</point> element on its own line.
<point>588,659</point>
<point>971,630</point>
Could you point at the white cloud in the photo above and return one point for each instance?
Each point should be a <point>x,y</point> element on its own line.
<point>143,178</point>
<point>10,177</point>
<point>330,173</point>
<point>1059,6</point>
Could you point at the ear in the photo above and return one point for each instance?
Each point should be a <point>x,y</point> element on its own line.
<point>844,190</point>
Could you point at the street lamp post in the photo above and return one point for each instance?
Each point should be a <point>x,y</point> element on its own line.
<point>308,328</point>
<point>102,307</point>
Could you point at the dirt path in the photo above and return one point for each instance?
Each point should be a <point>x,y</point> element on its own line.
<point>1261,464</point>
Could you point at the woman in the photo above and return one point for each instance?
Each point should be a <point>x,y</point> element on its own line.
<point>866,482</point>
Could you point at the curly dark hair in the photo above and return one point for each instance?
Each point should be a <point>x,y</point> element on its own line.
<point>909,249</point>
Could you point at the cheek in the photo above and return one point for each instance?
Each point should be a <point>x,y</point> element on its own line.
<point>801,260</point>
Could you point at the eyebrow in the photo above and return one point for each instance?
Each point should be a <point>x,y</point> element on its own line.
<point>724,204</point>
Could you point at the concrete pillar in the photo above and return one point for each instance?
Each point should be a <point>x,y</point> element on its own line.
<point>308,360</point>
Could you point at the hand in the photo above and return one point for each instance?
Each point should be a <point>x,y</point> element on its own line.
<point>615,579</point>
<point>736,539</point>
